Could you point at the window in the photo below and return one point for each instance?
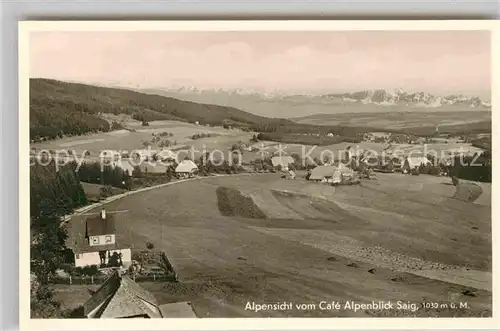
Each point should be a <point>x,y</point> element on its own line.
<point>77,256</point>
<point>107,239</point>
<point>95,240</point>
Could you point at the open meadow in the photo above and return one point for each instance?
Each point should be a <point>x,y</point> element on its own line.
<point>394,238</point>
<point>126,140</point>
<point>398,119</point>
<point>222,139</point>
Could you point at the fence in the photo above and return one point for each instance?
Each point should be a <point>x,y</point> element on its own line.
<point>90,280</point>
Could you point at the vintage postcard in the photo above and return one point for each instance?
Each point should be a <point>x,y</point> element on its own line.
<point>258,175</point>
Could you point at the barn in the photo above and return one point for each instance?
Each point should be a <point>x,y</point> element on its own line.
<point>331,173</point>
<point>186,169</point>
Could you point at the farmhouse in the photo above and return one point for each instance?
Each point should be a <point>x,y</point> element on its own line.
<point>120,297</point>
<point>99,245</point>
<point>186,169</point>
<point>331,173</point>
<point>414,162</point>
<point>282,161</point>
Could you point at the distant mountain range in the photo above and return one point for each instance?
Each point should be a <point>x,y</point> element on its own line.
<point>413,99</point>
<point>280,104</point>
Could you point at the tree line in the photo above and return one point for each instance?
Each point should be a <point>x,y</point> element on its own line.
<point>52,194</point>
<point>81,104</point>
<point>474,168</point>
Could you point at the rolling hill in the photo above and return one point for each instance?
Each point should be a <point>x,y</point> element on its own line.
<point>59,108</point>
<point>259,238</point>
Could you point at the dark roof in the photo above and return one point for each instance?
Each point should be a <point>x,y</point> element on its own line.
<point>119,297</point>
<point>108,288</point>
<point>326,171</point>
<point>78,233</point>
<point>96,226</point>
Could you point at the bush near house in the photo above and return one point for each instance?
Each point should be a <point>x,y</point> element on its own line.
<point>92,270</point>
<point>430,169</point>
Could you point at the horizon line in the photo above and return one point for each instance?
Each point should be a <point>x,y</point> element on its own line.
<point>290,91</point>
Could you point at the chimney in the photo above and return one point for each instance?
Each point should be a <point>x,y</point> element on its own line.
<point>103,214</point>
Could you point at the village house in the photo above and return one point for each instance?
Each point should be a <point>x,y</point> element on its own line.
<point>333,174</point>
<point>120,297</point>
<point>282,161</point>
<point>97,243</point>
<point>413,162</point>
<point>186,169</point>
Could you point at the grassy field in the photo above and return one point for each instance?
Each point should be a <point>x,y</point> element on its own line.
<point>223,139</point>
<point>398,119</point>
<point>395,238</point>
<point>129,141</point>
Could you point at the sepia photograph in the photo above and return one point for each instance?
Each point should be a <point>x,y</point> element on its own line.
<point>239,173</point>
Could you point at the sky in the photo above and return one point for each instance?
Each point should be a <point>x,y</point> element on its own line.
<point>440,62</point>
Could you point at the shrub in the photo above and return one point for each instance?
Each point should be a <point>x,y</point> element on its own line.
<point>150,245</point>
<point>106,191</point>
<point>203,135</point>
<point>232,203</point>
<point>92,270</point>
<point>116,126</point>
<point>435,170</point>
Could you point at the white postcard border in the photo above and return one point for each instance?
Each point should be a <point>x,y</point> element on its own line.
<point>26,27</point>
